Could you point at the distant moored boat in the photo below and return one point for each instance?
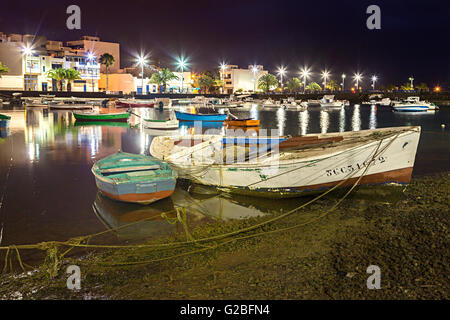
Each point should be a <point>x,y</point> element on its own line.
<point>214,117</point>
<point>96,116</point>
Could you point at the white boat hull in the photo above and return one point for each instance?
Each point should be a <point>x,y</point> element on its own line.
<point>161,125</point>
<point>281,177</point>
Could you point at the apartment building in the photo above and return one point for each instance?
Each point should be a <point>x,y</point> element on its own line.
<point>245,80</point>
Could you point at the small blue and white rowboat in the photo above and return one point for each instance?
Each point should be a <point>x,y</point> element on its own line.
<point>134,178</point>
<point>214,117</point>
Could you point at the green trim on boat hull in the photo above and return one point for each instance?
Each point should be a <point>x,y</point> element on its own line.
<point>102,117</point>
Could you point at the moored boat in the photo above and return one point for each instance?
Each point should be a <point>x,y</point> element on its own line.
<point>328,102</point>
<point>123,104</point>
<point>413,104</point>
<point>248,122</point>
<point>97,116</point>
<point>301,165</point>
<point>4,120</point>
<point>213,117</point>
<point>164,124</point>
<point>69,106</point>
<point>134,178</point>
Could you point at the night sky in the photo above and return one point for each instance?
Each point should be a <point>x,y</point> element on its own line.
<point>413,39</point>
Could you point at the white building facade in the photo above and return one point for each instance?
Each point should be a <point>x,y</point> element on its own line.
<point>241,80</point>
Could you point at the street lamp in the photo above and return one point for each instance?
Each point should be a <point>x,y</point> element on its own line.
<point>281,72</point>
<point>374,78</point>
<point>223,67</point>
<point>412,81</point>
<point>182,63</point>
<point>325,76</point>
<point>28,52</point>
<point>305,72</point>
<point>343,80</point>
<point>358,77</point>
<point>91,59</point>
<point>142,61</point>
<point>255,72</point>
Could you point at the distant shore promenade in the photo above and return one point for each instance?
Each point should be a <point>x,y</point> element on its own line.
<point>441,98</point>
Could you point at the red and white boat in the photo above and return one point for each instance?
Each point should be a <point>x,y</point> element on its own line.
<point>134,104</point>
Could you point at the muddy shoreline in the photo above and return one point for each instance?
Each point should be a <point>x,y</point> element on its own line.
<point>406,236</point>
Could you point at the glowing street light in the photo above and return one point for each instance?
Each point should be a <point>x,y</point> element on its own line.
<point>223,67</point>
<point>412,82</point>
<point>358,77</point>
<point>374,79</point>
<point>255,71</point>
<point>281,72</point>
<point>325,76</point>
<point>343,80</point>
<point>182,63</point>
<point>28,52</point>
<point>142,61</point>
<point>305,73</point>
<point>91,59</point>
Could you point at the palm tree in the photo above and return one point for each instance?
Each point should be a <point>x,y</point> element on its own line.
<point>71,75</point>
<point>107,60</point>
<point>332,85</point>
<point>423,87</point>
<point>205,83</point>
<point>313,86</point>
<point>58,75</point>
<point>3,69</point>
<point>267,81</point>
<point>162,77</point>
<point>294,84</point>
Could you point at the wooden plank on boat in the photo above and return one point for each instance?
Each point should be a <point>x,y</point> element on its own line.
<point>295,142</point>
<point>129,169</point>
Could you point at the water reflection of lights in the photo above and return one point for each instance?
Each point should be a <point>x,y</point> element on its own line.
<point>254,114</point>
<point>324,121</point>
<point>356,118</point>
<point>342,120</point>
<point>281,121</point>
<point>93,135</point>
<point>373,117</point>
<point>303,121</point>
<point>33,152</point>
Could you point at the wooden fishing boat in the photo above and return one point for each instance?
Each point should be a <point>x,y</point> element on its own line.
<point>249,122</point>
<point>81,123</point>
<point>294,166</point>
<point>97,116</point>
<point>69,106</point>
<point>166,124</point>
<point>122,104</point>
<point>213,117</point>
<point>134,178</point>
<point>4,120</point>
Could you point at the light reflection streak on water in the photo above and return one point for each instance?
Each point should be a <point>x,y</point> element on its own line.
<point>303,117</point>
<point>254,114</point>
<point>324,121</point>
<point>373,117</point>
<point>342,120</point>
<point>356,118</point>
<point>281,121</point>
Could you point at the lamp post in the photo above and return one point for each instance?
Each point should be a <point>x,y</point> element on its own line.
<point>182,63</point>
<point>223,67</point>
<point>412,82</point>
<point>358,77</point>
<point>343,82</point>
<point>305,72</point>
<point>281,72</point>
<point>374,78</point>
<point>255,72</point>
<point>142,62</point>
<point>325,76</point>
<point>28,53</point>
<point>91,58</point>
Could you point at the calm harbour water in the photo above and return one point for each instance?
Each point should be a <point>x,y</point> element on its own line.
<point>47,191</point>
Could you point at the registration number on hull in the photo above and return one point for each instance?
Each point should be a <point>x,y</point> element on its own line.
<point>352,167</point>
